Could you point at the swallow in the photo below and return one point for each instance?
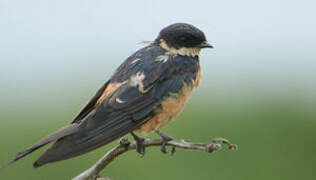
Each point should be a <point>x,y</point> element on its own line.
<point>147,91</point>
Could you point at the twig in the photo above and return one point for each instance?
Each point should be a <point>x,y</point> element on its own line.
<point>93,172</point>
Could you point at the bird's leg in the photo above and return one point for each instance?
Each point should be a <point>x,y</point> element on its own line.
<point>165,139</point>
<point>140,148</point>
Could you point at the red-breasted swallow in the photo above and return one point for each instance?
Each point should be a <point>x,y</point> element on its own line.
<point>147,91</point>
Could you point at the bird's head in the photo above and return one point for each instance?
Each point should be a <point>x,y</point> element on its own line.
<point>182,39</point>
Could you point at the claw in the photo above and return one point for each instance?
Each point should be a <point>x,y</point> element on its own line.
<point>173,150</point>
<point>163,147</point>
<point>140,148</point>
<point>165,140</point>
<point>225,141</point>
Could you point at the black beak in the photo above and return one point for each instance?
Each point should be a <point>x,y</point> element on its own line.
<point>205,45</point>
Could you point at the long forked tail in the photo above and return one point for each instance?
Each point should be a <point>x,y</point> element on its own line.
<point>65,131</point>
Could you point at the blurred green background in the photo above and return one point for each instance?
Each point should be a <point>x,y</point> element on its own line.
<point>258,88</point>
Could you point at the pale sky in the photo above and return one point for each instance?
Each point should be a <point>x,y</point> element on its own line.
<point>260,46</point>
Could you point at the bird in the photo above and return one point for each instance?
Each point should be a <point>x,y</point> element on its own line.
<point>148,90</point>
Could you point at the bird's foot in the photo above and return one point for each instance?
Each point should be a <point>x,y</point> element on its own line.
<point>165,139</point>
<point>140,148</point>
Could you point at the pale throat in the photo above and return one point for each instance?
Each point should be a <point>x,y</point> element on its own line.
<point>184,51</point>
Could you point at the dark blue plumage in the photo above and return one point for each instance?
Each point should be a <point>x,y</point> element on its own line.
<point>112,119</point>
<point>145,93</point>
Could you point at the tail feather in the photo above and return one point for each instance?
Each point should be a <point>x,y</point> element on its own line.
<point>72,146</point>
<point>68,130</point>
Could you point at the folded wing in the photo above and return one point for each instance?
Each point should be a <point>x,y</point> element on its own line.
<point>123,111</point>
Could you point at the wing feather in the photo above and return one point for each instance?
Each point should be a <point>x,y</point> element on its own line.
<point>111,120</point>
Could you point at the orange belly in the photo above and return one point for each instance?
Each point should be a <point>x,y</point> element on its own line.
<point>169,109</point>
<point>171,106</point>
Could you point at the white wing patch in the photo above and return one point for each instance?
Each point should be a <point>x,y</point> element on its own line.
<point>162,58</point>
<point>135,60</point>
<point>137,81</point>
<point>119,101</point>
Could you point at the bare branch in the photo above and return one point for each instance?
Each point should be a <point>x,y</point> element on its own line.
<point>93,172</point>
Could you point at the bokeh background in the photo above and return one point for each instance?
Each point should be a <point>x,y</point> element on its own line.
<point>258,88</point>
